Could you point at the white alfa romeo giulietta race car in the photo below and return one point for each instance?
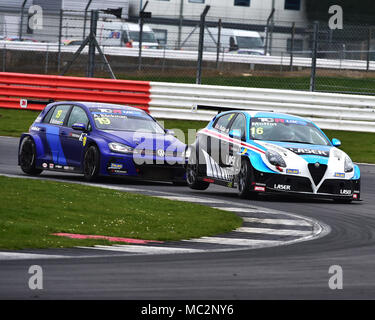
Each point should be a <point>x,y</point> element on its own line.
<point>266,152</point>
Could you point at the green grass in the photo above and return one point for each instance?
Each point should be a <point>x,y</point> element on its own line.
<point>31,210</point>
<point>359,145</point>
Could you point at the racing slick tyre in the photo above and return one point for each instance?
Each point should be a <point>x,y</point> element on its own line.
<point>192,178</point>
<point>244,179</point>
<point>27,157</point>
<point>91,163</point>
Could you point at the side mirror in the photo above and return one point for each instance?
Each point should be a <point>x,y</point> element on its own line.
<point>79,127</point>
<point>169,131</point>
<point>336,142</point>
<point>235,133</point>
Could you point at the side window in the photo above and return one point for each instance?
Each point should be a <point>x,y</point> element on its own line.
<point>47,118</point>
<point>78,115</point>
<point>240,124</point>
<point>222,123</point>
<point>59,114</point>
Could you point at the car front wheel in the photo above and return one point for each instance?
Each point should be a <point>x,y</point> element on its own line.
<point>91,163</point>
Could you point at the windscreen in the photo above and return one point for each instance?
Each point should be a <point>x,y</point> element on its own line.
<point>286,130</point>
<point>124,120</point>
<point>147,36</point>
<point>249,42</point>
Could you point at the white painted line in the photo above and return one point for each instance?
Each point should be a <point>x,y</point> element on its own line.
<point>275,232</point>
<point>143,249</point>
<point>24,256</point>
<point>234,241</point>
<point>191,199</point>
<point>250,210</point>
<point>278,221</point>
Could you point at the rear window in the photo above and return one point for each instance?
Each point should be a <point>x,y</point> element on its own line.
<point>59,114</point>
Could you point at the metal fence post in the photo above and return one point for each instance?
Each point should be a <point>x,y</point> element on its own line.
<point>368,48</point>
<point>4,57</point>
<point>314,54</point>
<point>201,43</point>
<point>292,45</point>
<point>92,47</point>
<point>219,26</point>
<point>59,44</point>
<point>141,22</point>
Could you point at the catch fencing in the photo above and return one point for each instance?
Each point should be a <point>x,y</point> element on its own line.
<point>182,101</point>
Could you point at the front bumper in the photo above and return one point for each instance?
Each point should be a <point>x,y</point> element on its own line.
<point>302,186</point>
<point>152,168</point>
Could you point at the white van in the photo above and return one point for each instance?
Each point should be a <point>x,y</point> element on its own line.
<point>238,41</point>
<point>124,34</point>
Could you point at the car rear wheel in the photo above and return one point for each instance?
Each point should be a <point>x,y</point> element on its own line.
<point>91,163</point>
<point>244,180</point>
<point>27,157</point>
<point>192,178</point>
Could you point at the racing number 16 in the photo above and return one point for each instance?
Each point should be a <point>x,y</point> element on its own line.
<point>258,131</point>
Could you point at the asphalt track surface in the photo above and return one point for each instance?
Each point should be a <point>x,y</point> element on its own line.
<point>297,271</point>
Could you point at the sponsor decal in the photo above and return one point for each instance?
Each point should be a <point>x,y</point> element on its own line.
<point>292,171</point>
<point>84,140</point>
<point>33,128</point>
<point>115,166</point>
<point>259,188</point>
<point>75,135</point>
<point>339,175</point>
<point>284,187</point>
<point>345,191</point>
<point>44,165</point>
<point>51,165</point>
<point>209,180</point>
<point>68,168</point>
<point>301,151</point>
<point>58,167</point>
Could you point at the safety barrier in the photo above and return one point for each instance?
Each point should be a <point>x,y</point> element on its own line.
<point>16,86</point>
<point>179,101</point>
<point>329,111</point>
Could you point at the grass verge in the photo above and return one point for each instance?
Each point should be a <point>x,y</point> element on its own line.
<point>31,210</point>
<point>359,145</point>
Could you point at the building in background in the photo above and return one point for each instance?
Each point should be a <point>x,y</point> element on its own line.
<point>175,20</point>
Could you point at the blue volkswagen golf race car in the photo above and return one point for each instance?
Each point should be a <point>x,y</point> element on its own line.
<point>101,140</point>
<point>265,152</point>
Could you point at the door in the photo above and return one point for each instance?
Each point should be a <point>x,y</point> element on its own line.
<point>56,123</point>
<point>74,141</point>
<point>218,147</point>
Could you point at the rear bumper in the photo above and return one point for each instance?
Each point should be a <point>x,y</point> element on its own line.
<point>339,189</point>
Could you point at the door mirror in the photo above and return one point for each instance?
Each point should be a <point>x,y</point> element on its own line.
<point>79,127</point>
<point>235,133</point>
<point>336,142</point>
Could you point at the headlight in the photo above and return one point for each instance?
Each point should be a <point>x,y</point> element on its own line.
<point>275,158</point>
<point>120,148</point>
<point>348,166</point>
